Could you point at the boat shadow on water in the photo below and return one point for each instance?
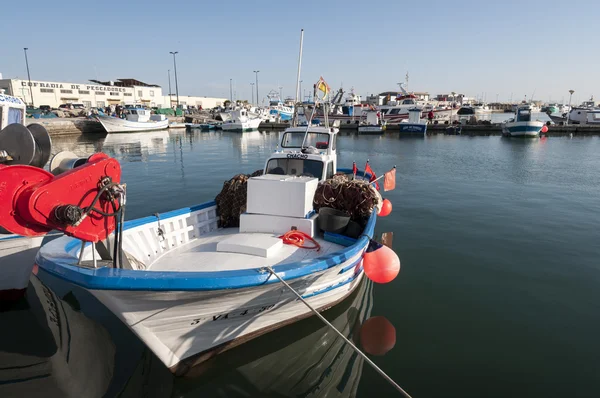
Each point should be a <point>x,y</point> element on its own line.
<point>303,359</point>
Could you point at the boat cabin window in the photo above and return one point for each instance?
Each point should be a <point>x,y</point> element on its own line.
<point>394,111</point>
<point>296,167</point>
<point>15,115</point>
<point>294,140</point>
<point>408,102</point>
<point>524,116</point>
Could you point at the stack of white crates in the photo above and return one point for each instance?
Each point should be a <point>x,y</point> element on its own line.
<point>277,204</point>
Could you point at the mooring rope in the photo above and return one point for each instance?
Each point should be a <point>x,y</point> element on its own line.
<point>355,348</point>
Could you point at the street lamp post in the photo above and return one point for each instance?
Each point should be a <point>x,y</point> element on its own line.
<point>569,110</point>
<point>28,75</point>
<point>252,91</point>
<point>257,96</point>
<point>231,91</point>
<point>170,99</point>
<point>176,84</point>
<point>452,106</point>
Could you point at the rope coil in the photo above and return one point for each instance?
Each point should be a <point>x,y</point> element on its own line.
<point>297,238</point>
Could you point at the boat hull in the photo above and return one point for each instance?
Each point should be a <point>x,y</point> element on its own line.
<point>413,128</point>
<point>117,125</point>
<point>522,129</point>
<point>249,125</point>
<point>17,256</point>
<point>370,129</point>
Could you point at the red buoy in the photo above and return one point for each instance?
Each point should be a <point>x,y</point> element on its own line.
<point>381,264</point>
<point>386,208</point>
<point>545,129</point>
<point>377,336</point>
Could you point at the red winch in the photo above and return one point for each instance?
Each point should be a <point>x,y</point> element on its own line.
<point>80,202</point>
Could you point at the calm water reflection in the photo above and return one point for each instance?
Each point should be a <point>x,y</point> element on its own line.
<point>497,295</point>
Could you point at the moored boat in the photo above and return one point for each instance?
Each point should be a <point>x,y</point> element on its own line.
<point>240,120</point>
<point>522,125</point>
<point>197,281</point>
<point>137,119</point>
<point>414,124</point>
<point>371,123</point>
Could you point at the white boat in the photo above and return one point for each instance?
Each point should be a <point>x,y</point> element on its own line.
<point>190,289</point>
<point>522,125</point>
<point>17,253</point>
<point>137,119</point>
<point>49,349</point>
<point>372,123</point>
<point>278,109</point>
<point>240,120</point>
<point>579,116</point>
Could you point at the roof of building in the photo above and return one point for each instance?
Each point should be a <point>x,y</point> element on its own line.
<point>124,83</point>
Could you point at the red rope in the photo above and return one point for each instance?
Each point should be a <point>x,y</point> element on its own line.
<point>297,238</point>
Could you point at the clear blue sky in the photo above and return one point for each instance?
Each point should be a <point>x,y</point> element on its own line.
<point>472,47</point>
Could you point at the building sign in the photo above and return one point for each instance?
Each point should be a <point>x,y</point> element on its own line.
<point>75,86</point>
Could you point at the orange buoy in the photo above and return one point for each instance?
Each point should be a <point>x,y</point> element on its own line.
<point>381,264</point>
<point>377,336</point>
<point>545,129</point>
<point>386,208</point>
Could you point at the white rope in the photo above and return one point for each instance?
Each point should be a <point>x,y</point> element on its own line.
<point>358,351</point>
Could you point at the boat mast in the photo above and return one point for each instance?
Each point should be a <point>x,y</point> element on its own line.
<point>299,65</point>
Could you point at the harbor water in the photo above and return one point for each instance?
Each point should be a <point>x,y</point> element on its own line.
<point>497,295</point>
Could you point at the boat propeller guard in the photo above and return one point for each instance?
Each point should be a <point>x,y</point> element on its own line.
<point>80,202</point>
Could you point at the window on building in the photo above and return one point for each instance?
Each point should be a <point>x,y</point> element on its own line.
<point>152,93</point>
<point>100,93</point>
<point>139,93</point>
<point>46,90</point>
<point>127,94</point>
<point>66,91</point>
<point>84,91</point>
<point>111,93</point>
<point>100,104</point>
<point>87,104</point>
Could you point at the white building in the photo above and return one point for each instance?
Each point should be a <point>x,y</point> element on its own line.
<point>98,94</point>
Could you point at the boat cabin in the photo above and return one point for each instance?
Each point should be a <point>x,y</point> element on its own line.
<point>523,114</point>
<point>12,110</point>
<point>138,115</point>
<point>305,153</point>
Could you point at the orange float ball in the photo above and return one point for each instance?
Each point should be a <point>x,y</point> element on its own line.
<point>381,264</point>
<point>377,336</point>
<point>545,129</point>
<point>386,208</point>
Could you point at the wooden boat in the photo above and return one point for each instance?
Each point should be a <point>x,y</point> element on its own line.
<point>137,119</point>
<point>190,289</point>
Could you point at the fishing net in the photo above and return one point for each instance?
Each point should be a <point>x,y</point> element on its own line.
<point>358,198</point>
<point>231,201</point>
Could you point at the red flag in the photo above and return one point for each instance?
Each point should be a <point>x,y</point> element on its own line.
<point>354,169</point>
<point>389,180</point>
<point>369,170</point>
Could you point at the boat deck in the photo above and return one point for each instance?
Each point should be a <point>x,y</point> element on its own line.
<point>201,255</point>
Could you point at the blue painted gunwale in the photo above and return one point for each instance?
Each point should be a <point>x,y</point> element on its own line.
<point>61,265</point>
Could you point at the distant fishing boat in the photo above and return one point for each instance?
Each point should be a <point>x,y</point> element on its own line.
<point>522,125</point>
<point>137,119</point>
<point>240,120</point>
<point>371,123</point>
<point>414,124</point>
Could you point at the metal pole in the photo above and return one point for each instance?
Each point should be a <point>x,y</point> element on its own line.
<point>356,349</point>
<point>170,99</point>
<point>299,64</point>
<point>257,96</point>
<point>569,110</point>
<point>231,91</point>
<point>176,84</point>
<point>300,92</point>
<point>252,91</point>
<point>28,76</point>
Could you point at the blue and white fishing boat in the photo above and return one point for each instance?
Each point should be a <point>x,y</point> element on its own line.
<point>522,125</point>
<point>190,289</point>
<point>414,124</point>
<point>278,109</point>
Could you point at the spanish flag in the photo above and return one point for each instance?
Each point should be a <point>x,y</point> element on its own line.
<point>323,87</point>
